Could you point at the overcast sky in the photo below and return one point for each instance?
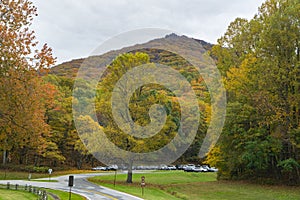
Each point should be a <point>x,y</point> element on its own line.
<point>74,28</point>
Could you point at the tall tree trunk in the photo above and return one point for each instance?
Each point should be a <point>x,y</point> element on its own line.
<point>129,174</point>
<point>4,157</point>
<point>79,163</point>
<point>92,162</point>
<point>36,160</point>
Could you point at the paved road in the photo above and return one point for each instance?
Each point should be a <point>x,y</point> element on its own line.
<point>81,186</point>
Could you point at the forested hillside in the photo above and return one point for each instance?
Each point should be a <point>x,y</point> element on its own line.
<point>155,93</point>
<point>58,145</point>
<point>70,69</point>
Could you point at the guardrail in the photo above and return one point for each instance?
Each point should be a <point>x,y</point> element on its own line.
<point>40,192</point>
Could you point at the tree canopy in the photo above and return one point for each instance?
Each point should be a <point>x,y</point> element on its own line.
<point>24,97</point>
<point>260,62</point>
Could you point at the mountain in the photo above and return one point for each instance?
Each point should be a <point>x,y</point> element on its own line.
<point>70,68</point>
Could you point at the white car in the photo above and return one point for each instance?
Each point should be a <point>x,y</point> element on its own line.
<point>210,169</point>
<point>189,168</point>
<point>171,167</point>
<point>213,169</point>
<point>112,167</point>
<point>163,167</point>
<point>99,168</point>
<point>200,169</point>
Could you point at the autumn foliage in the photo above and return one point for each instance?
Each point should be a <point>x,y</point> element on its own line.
<point>24,97</point>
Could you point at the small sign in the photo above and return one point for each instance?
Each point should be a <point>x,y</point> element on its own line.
<point>50,171</point>
<point>143,183</point>
<point>71,184</point>
<point>71,181</point>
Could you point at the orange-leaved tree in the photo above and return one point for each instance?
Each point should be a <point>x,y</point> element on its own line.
<point>23,95</point>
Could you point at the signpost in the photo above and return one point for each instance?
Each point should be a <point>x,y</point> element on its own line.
<point>115,178</point>
<point>143,184</point>
<point>71,184</point>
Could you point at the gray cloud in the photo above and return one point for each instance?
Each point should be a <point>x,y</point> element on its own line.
<point>75,28</point>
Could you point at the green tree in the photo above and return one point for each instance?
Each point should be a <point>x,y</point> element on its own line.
<point>139,107</point>
<point>259,60</point>
<point>60,119</point>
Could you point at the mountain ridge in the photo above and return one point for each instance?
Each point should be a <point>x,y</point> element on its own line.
<point>70,68</point>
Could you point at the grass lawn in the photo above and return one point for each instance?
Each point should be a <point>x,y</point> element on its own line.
<point>165,185</point>
<point>13,195</point>
<point>65,195</point>
<point>19,194</point>
<point>11,175</point>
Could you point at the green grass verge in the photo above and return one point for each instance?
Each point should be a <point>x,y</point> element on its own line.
<point>163,177</point>
<point>21,194</point>
<point>227,190</point>
<point>12,175</point>
<point>149,192</point>
<point>196,186</point>
<point>65,195</point>
<point>16,194</point>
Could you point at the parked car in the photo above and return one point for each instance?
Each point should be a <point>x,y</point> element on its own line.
<point>210,169</point>
<point>189,168</point>
<point>154,167</point>
<point>180,167</point>
<point>213,169</point>
<point>99,168</point>
<point>184,167</point>
<point>199,168</point>
<point>163,167</point>
<point>171,167</point>
<point>112,167</point>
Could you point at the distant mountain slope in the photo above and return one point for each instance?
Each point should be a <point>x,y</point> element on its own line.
<point>70,68</point>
